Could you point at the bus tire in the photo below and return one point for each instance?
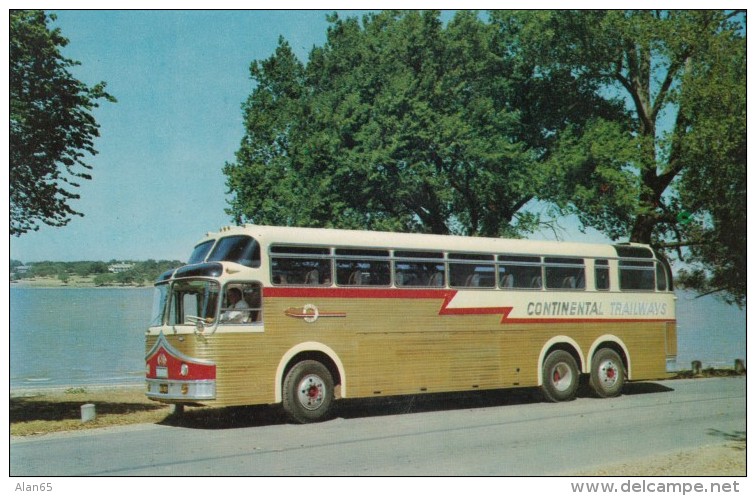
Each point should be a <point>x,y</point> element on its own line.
<point>560,377</point>
<point>308,392</point>
<point>607,373</point>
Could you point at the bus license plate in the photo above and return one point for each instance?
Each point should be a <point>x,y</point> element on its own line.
<point>164,389</point>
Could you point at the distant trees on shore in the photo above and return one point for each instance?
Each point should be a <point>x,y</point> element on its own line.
<point>140,273</point>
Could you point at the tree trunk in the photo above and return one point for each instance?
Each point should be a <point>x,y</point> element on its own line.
<point>642,229</point>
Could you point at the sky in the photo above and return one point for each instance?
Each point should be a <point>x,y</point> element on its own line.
<point>180,78</point>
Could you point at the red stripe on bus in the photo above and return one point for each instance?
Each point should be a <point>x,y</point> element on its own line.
<point>446,294</point>
<point>428,293</point>
<point>329,292</point>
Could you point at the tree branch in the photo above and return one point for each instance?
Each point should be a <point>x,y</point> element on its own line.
<point>661,96</point>
<point>679,244</point>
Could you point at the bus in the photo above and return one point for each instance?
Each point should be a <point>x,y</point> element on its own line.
<point>303,317</point>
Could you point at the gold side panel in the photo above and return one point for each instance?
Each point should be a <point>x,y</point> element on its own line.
<point>403,346</point>
<point>671,339</point>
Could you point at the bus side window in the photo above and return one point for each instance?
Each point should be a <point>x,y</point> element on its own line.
<point>428,274</point>
<point>301,271</point>
<point>661,277</point>
<point>565,273</point>
<point>471,270</point>
<point>294,264</point>
<point>637,275</point>
<point>476,275</point>
<point>602,274</point>
<point>253,297</point>
<point>419,268</point>
<point>242,304</point>
<point>519,272</point>
<point>363,272</point>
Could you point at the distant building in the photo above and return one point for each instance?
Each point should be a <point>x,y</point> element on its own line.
<point>119,267</point>
<point>20,271</point>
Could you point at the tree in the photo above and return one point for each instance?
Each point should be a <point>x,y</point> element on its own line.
<point>677,153</point>
<point>103,280</point>
<point>398,123</point>
<point>716,188</point>
<point>51,124</point>
<point>633,121</point>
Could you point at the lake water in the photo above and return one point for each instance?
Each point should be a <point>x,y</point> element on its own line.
<point>93,336</point>
<point>77,336</point>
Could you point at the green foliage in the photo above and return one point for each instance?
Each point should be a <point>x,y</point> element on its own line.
<point>680,144</point>
<point>399,122</point>
<point>591,179</point>
<point>103,280</point>
<point>396,123</point>
<point>51,125</point>
<point>715,189</point>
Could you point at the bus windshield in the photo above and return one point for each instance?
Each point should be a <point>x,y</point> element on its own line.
<point>192,301</point>
<point>200,252</point>
<point>240,249</point>
<point>158,304</point>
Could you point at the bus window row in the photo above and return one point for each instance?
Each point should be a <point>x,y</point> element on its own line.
<point>295,265</point>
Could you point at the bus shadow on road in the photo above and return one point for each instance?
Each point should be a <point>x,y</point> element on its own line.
<point>433,402</point>
<point>236,417</point>
<point>265,415</point>
<point>398,405</point>
<point>634,388</point>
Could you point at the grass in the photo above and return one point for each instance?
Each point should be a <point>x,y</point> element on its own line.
<point>57,411</point>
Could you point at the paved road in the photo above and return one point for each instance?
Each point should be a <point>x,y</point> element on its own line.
<point>500,433</point>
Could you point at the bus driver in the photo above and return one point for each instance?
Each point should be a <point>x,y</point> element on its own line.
<point>237,310</point>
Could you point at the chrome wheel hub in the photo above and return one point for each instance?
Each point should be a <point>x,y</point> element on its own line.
<point>311,392</point>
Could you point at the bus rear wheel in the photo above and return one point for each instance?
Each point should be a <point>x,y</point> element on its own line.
<point>308,392</point>
<point>560,376</point>
<point>607,373</point>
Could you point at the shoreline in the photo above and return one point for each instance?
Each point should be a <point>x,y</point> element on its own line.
<point>53,283</point>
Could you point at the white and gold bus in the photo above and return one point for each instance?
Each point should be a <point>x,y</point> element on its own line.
<point>303,317</point>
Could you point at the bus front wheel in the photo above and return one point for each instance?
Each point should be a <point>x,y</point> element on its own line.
<point>560,376</point>
<point>308,392</point>
<point>607,373</point>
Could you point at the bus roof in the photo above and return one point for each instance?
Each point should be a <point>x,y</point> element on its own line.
<point>268,235</point>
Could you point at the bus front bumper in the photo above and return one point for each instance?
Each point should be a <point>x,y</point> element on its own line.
<point>174,390</point>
